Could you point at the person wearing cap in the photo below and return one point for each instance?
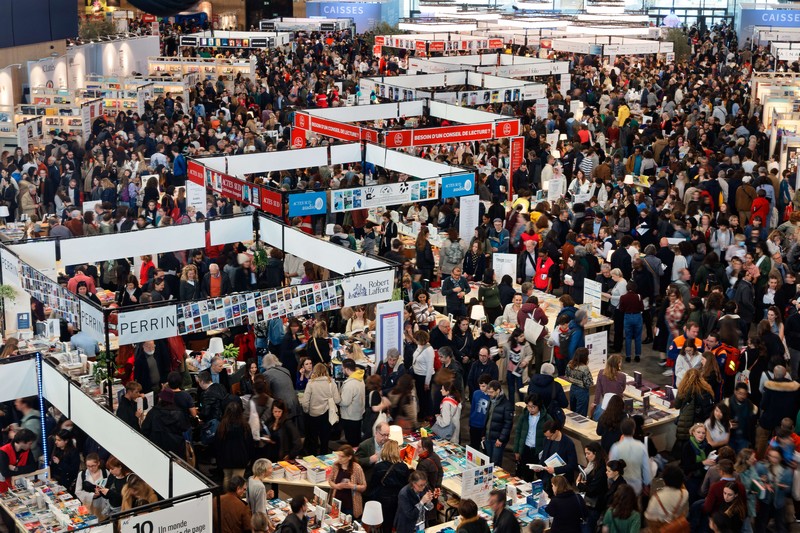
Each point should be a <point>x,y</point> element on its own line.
<point>498,237</point>
<point>165,424</point>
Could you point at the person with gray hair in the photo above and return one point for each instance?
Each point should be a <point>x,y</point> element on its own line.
<point>218,372</point>
<point>390,370</point>
<point>257,492</point>
<point>281,384</point>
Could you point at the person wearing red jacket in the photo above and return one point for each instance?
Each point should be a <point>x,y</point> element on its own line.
<point>15,457</point>
<point>760,206</point>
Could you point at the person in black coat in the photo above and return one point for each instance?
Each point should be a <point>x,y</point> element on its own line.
<point>165,424</point>
<point>499,420</point>
<point>66,460</point>
<point>621,258</point>
<point>557,442</point>
<point>297,521</point>
<point>566,507</point>
<point>151,353</point>
<point>290,342</point>
<point>127,409</point>
<point>389,476</point>
<point>594,484</point>
<point>504,519</point>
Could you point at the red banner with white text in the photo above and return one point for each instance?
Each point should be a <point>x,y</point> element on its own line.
<point>516,157</point>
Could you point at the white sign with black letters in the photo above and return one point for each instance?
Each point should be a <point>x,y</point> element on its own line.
<point>92,321</point>
<point>368,288</point>
<point>191,516</point>
<point>147,324</point>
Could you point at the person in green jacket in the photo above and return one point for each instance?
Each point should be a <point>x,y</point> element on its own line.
<point>623,514</point>
<point>529,438</point>
<point>489,296</point>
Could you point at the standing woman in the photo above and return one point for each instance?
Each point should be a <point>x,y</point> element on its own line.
<point>289,344</point>
<point>623,514</point>
<point>424,253</point>
<point>112,488</point>
<point>404,405</point>
<point>136,493</point>
<point>283,434</point>
<point>694,460</point>
<point>422,309</point>
<point>304,371</point>
<point>319,390</point>
<point>232,442</point>
<point>580,377</point>
<point>474,261</point>
<point>593,482</point>
<point>65,461</point>
<point>447,422</point>
<point>614,471</point>
<point>347,481</point>
<point>422,369</point>
<point>88,483</point>
<point>190,284</point>
<point>566,507</point>
<point>617,291</point>
<point>610,381</point>
<point>375,404</point>
<point>518,354</point>
<point>489,296</point>
<point>319,349</point>
<point>694,399</point>
<point>389,475</point>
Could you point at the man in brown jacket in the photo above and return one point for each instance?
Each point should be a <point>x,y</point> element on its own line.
<point>744,199</point>
<point>234,513</point>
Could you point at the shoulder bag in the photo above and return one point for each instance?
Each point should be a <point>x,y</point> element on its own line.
<point>333,410</point>
<point>676,524</point>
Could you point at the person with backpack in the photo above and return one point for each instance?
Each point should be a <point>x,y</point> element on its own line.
<point>451,254</point>
<point>550,391</point>
<point>727,359</point>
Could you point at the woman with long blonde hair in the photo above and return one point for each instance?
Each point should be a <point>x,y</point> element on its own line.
<point>315,401</point>
<point>695,400</point>
<point>136,493</point>
<point>319,351</point>
<point>190,283</point>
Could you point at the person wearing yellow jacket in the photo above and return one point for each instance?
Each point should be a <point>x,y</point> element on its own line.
<point>351,407</point>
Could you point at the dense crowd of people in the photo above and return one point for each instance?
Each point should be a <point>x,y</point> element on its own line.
<point>698,262</point>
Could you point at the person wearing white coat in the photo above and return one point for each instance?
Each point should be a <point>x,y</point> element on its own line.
<point>422,368</point>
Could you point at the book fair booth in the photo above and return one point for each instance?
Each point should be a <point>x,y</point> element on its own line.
<point>496,64</point>
<point>460,88</point>
<point>369,123</point>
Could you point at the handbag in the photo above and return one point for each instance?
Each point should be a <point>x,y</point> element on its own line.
<point>333,411</point>
<point>677,524</point>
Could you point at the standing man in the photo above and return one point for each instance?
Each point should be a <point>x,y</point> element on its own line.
<point>369,451</point>
<point>127,410</point>
<point>150,366</point>
<point>455,289</point>
<point>634,453</point>
<point>234,513</point>
<point>526,263</point>
<point>498,423</point>
<point>529,434</point>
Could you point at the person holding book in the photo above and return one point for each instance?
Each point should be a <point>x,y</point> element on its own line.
<point>558,456</point>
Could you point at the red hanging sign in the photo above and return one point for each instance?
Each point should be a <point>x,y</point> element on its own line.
<point>298,137</point>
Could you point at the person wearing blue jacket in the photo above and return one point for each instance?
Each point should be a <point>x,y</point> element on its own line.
<point>547,388</point>
<point>776,479</point>
<point>479,408</point>
<point>178,166</point>
<point>577,333</point>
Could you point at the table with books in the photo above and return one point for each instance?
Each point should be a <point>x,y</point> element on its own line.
<point>528,503</point>
<point>38,503</point>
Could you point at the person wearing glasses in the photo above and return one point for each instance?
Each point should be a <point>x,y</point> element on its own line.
<point>369,451</point>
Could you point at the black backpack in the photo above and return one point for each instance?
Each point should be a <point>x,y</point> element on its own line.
<point>554,410</point>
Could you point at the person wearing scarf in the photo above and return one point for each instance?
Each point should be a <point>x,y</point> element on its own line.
<point>695,460</point>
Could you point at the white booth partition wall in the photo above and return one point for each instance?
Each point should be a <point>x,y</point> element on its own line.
<point>182,488</point>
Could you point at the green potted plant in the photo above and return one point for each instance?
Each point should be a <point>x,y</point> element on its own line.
<point>230,353</point>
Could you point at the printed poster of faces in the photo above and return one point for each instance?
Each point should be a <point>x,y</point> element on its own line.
<point>232,310</point>
<point>50,293</point>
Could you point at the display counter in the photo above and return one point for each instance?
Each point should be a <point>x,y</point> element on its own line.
<point>37,503</point>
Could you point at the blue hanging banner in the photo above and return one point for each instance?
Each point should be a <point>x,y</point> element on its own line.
<point>458,185</point>
<point>308,203</point>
